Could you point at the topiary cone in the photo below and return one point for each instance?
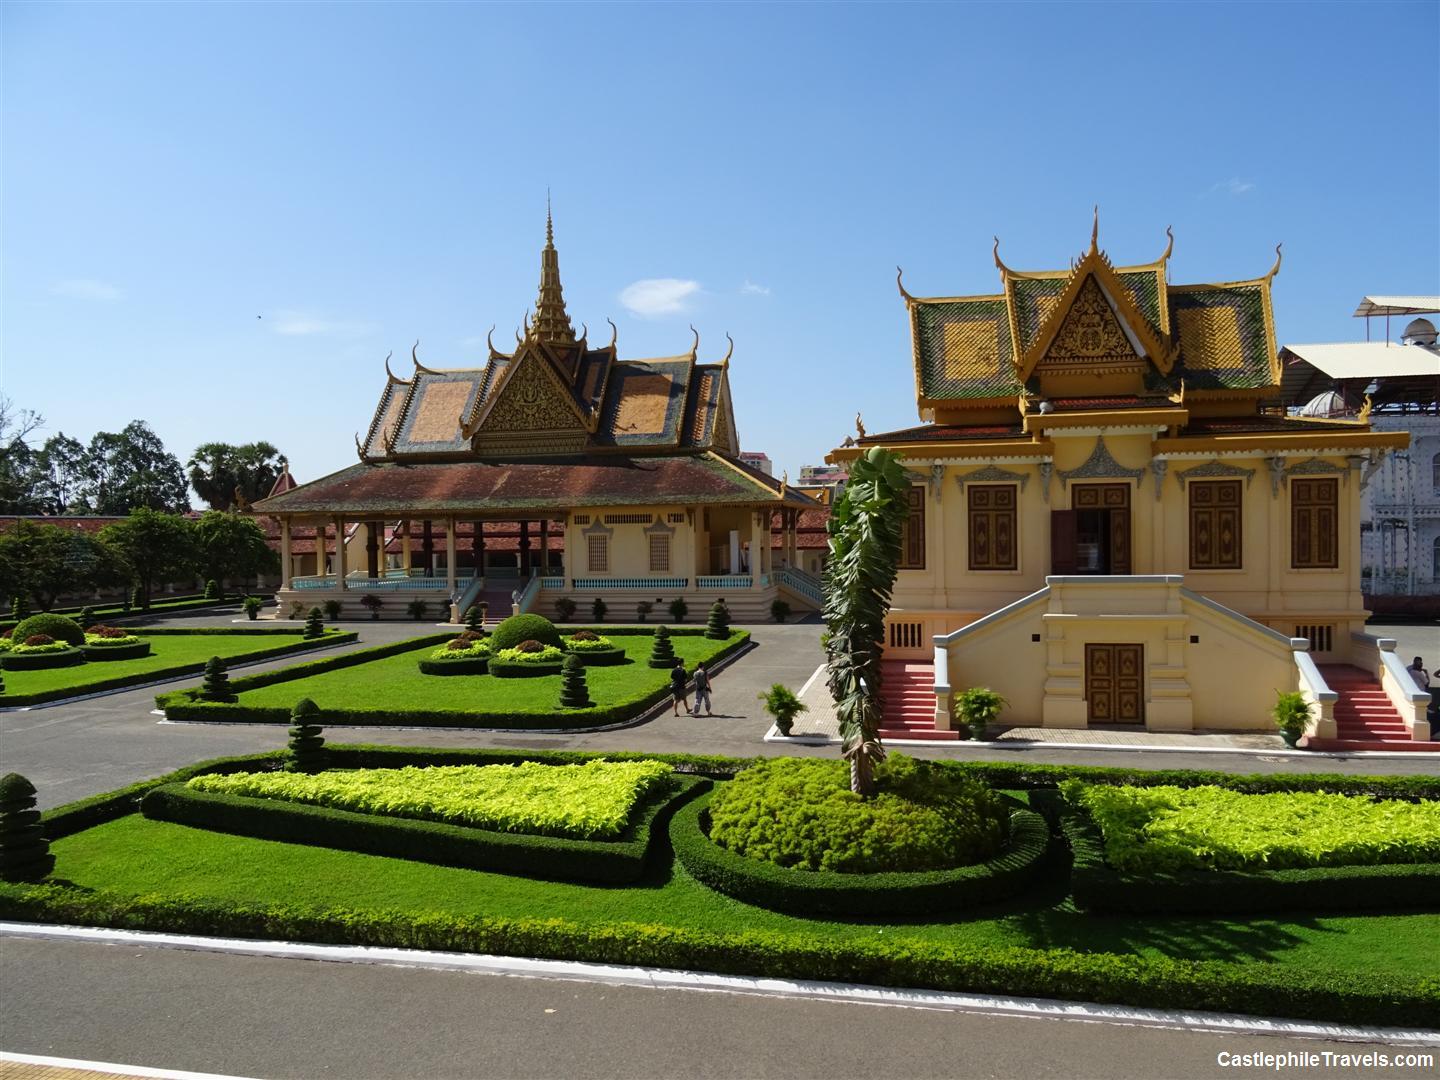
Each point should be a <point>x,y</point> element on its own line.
<point>314,624</point>
<point>216,686</point>
<point>24,851</point>
<point>307,746</point>
<point>574,691</point>
<point>663,654</point>
<point>717,626</point>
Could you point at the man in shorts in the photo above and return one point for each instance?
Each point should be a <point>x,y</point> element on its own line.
<point>678,680</point>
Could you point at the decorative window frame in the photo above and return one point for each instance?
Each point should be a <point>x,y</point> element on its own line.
<point>1214,470</point>
<point>658,528</point>
<point>597,530</point>
<point>1100,465</point>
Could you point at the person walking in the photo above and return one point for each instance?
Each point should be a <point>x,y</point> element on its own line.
<point>677,686</point>
<point>702,690</point>
<point>1418,673</point>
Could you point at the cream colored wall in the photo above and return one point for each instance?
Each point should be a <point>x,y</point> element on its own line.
<point>1234,672</point>
<point>946,594</point>
<point>630,543</point>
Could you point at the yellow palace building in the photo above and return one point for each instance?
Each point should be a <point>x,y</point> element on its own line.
<point>1111,522</point>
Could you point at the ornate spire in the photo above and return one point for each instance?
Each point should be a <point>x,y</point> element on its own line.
<point>551,324</point>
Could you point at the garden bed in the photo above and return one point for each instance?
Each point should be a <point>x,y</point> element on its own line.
<point>389,683</point>
<point>174,653</point>
<point>138,873</point>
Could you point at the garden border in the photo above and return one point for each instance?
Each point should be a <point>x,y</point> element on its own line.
<point>185,705</point>
<point>158,676</point>
<point>550,857</point>
<point>1097,886</point>
<point>1015,868</point>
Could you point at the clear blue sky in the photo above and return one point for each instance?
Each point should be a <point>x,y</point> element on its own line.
<point>363,175</point>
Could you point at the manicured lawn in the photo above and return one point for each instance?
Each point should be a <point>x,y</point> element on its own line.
<point>395,684</point>
<point>167,653</point>
<point>136,856</point>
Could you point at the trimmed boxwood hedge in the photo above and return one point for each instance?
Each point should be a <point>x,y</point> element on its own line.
<point>599,657</point>
<point>1152,981</point>
<point>186,704</point>
<point>509,669</point>
<point>1097,886</point>
<point>551,857</point>
<point>131,650</point>
<point>807,892</point>
<point>38,661</point>
<point>466,665</point>
<point>140,678</point>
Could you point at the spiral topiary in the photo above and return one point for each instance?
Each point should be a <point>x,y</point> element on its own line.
<point>212,590</point>
<point>517,628</point>
<point>474,618</point>
<point>217,684</point>
<point>24,851</point>
<point>314,624</point>
<point>307,745</point>
<point>18,606</point>
<point>56,626</point>
<point>574,691</point>
<point>663,654</point>
<point>718,625</point>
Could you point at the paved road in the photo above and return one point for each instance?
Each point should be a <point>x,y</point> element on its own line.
<point>269,1017</point>
<point>71,751</point>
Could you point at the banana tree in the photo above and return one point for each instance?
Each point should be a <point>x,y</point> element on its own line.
<point>865,526</point>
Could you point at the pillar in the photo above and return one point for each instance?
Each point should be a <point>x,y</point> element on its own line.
<point>477,548</point>
<point>524,549</point>
<point>759,541</point>
<point>285,561</point>
<point>320,549</point>
<point>450,554</point>
<point>340,569</point>
<point>405,550</point>
<point>427,548</point>
<point>544,546</point>
<point>372,551</point>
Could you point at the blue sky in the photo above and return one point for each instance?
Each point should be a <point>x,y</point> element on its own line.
<point>364,175</point>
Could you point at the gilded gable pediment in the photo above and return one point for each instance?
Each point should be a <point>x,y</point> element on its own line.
<point>531,412</point>
<point>1090,334</point>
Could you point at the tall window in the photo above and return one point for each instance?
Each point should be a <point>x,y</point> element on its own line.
<point>992,526</point>
<point>912,533</point>
<point>1215,525</point>
<point>1314,524</point>
<point>659,553</point>
<point>597,553</point>
<point>1435,473</point>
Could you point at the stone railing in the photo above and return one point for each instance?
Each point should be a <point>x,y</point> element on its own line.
<point>1377,655</point>
<point>589,584</point>
<point>807,585</point>
<point>724,581</point>
<point>1317,692</point>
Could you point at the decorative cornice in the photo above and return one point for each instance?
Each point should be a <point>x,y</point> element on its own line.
<point>1212,470</point>
<point>1101,464</point>
<point>1316,467</point>
<point>597,527</point>
<point>992,473</point>
<point>659,526</point>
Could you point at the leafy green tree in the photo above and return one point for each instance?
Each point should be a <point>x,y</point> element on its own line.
<point>232,546</point>
<point>17,458</point>
<point>159,547</point>
<point>43,562</point>
<point>864,527</point>
<point>61,466</point>
<point>131,468</point>
<point>219,472</point>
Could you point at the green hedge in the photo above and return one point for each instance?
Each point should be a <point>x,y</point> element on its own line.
<point>38,661</point>
<point>1097,886</point>
<point>186,705</point>
<point>503,669</point>
<point>179,671</point>
<point>1151,981</point>
<point>467,665</point>
<point>600,657</point>
<point>553,857</point>
<point>805,892</point>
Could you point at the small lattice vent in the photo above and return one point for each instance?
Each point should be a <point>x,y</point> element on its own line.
<point>907,635</point>
<point>1321,638</point>
<point>627,519</point>
<point>581,519</point>
<point>676,519</point>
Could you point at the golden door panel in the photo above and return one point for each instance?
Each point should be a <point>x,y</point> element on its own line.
<point>1115,683</point>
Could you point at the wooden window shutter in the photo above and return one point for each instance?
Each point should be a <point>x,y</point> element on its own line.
<point>912,533</point>
<point>1063,534</point>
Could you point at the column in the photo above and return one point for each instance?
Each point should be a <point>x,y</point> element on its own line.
<point>427,548</point>
<point>372,551</point>
<point>285,561</point>
<point>320,549</point>
<point>450,554</point>
<point>544,546</point>
<point>477,548</point>
<point>405,550</point>
<point>524,550</point>
<point>340,569</point>
<point>759,541</point>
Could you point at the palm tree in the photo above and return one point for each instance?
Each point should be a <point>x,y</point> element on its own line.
<point>864,527</point>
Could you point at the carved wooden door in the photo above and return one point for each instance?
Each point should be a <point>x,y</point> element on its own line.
<point>1115,683</point>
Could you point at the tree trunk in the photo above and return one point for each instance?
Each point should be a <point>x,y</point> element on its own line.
<point>862,775</point>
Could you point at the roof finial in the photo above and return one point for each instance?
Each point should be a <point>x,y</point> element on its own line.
<point>388,372</point>
<point>1276,268</point>
<point>1095,231</point>
<point>995,252</point>
<point>552,322</point>
<point>725,362</point>
<point>614,332</point>
<point>695,348</point>
<point>899,284</point>
<point>549,222</point>
<point>1170,244</point>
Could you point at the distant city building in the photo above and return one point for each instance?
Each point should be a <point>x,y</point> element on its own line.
<point>1397,386</point>
<point>758,460</point>
<point>826,476</point>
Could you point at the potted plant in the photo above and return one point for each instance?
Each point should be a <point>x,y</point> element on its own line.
<point>679,609</point>
<point>783,706</point>
<point>978,707</point>
<point>598,609</point>
<point>565,608</point>
<point>1291,714</point>
<point>371,603</point>
<point>643,609</point>
<point>416,608</point>
<point>779,610</point>
<point>252,606</point>
<point>332,610</point>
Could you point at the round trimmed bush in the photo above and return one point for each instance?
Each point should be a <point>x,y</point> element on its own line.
<point>116,649</point>
<point>56,626</point>
<point>41,656</point>
<point>800,813</point>
<point>517,628</point>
